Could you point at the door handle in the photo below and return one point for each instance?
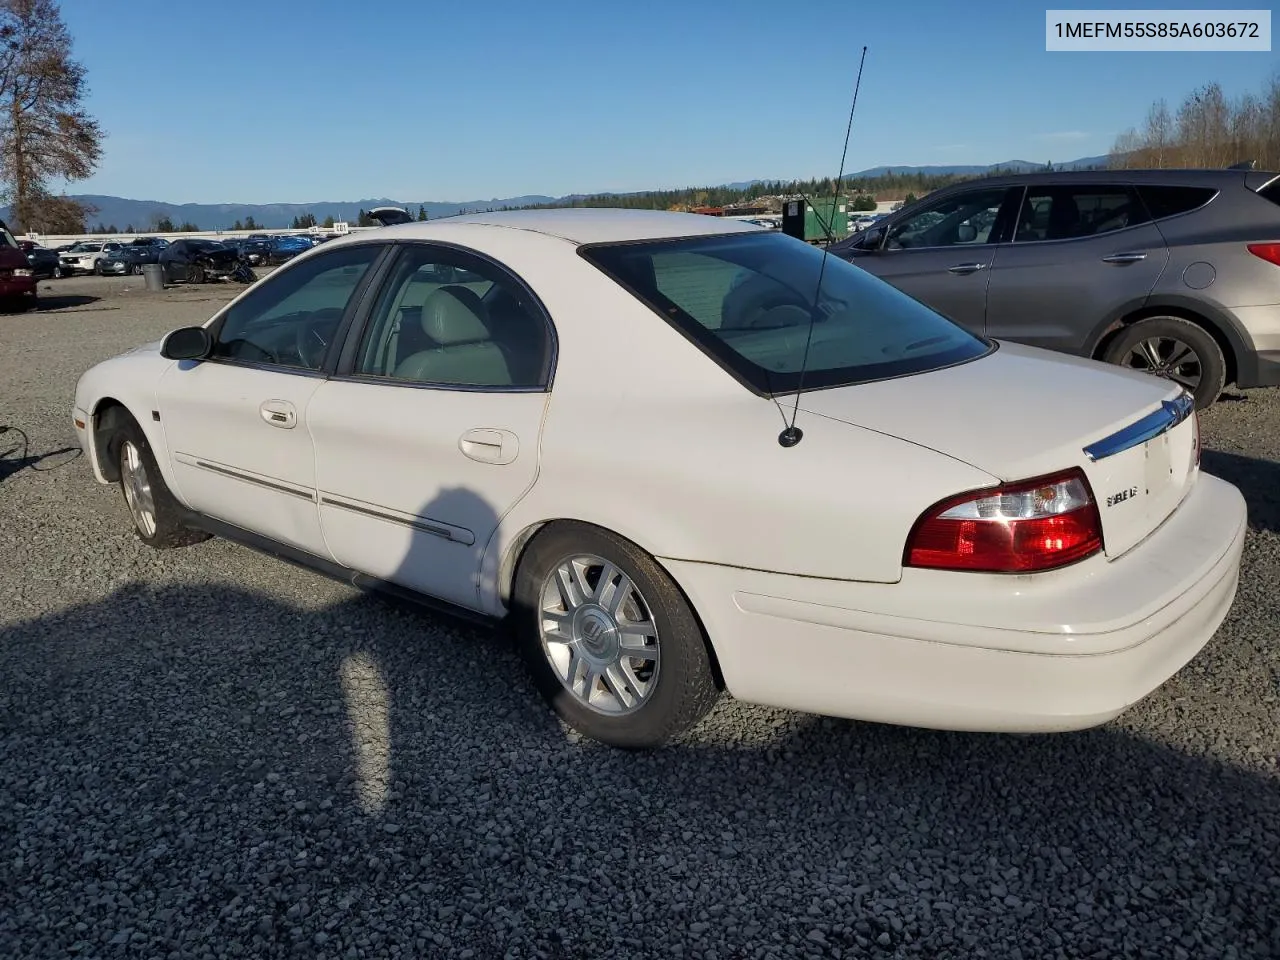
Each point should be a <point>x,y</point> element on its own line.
<point>966,268</point>
<point>279,413</point>
<point>489,445</point>
<point>1133,257</point>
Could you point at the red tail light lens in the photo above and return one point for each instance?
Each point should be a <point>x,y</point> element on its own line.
<point>1023,527</point>
<point>1269,252</point>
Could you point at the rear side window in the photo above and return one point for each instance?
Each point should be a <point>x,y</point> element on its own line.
<point>1271,191</point>
<point>1163,201</point>
<point>1071,212</point>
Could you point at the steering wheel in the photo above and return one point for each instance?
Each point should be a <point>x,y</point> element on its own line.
<point>312,336</point>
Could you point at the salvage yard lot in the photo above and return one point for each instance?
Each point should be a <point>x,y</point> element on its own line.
<point>209,748</point>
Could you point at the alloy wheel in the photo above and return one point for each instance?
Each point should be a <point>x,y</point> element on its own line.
<point>1166,357</point>
<point>137,488</point>
<point>599,635</point>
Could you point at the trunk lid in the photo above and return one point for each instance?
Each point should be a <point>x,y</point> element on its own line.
<point>1022,412</point>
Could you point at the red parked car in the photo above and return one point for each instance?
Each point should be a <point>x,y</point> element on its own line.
<point>17,278</point>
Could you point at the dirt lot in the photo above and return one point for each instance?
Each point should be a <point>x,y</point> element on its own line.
<point>205,752</point>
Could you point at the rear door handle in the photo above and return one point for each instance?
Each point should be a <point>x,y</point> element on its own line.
<point>963,268</point>
<point>1132,257</point>
<point>489,445</point>
<point>279,413</point>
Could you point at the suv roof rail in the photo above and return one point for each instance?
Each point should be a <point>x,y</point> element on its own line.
<point>1243,165</point>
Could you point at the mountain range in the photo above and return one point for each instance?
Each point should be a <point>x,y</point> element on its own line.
<point>144,214</point>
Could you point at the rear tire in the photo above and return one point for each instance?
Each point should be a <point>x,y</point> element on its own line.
<point>1176,349</point>
<point>157,515</point>
<point>575,646</point>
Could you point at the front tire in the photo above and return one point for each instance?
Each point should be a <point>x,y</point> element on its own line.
<point>1176,349</point>
<point>157,515</point>
<point>612,644</point>
<point>195,273</point>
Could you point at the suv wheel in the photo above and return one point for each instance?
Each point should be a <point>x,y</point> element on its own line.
<point>1176,349</point>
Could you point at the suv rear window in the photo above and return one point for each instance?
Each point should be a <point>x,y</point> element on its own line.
<point>747,300</point>
<point>1164,201</point>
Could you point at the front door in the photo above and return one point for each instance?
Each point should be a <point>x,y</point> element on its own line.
<point>1081,254</point>
<point>942,254</point>
<point>236,424</point>
<point>431,436</point>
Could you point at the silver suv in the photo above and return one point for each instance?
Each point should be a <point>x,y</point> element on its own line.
<point>1173,272</point>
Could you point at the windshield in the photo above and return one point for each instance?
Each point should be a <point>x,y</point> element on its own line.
<point>6,237</point>
<point>746,299</point>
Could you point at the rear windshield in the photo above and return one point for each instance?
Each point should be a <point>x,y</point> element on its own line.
<point>747,300</point>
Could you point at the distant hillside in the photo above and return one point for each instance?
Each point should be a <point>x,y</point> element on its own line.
<point>144,214</point>
<point>1014,166</point>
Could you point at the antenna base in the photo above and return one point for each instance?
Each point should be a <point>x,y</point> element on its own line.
<point>790,437</point>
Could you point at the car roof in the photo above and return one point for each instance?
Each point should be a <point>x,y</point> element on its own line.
<point>580,225</point>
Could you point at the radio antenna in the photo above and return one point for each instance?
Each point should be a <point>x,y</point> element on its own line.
<point>792,434</point>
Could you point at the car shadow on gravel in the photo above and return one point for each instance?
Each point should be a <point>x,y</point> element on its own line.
<point>64,301</point>
<point>1258,480</point>
<point>196,766</point>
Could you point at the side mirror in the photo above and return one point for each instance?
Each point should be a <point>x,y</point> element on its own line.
<point>187,343</point>
<point>873,239</point>
<point>966,233</point>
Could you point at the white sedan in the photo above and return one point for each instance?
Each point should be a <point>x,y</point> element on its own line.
<point>581,420</point>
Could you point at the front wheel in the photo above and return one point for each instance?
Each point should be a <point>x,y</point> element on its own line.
<point>195,273</point>
<point>1176,349</point>
<point>157,515</point>
<point>610,641</point>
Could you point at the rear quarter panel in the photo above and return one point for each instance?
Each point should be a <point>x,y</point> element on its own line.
<point>648,437</point>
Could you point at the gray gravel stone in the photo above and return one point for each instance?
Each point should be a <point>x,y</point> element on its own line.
<point>193,764</point>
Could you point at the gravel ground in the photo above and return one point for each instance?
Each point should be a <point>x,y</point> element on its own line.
<point>208,753</point>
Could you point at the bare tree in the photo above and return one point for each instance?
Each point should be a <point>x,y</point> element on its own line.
<point>1208,130</point>
<point>45,133</point>
<point>1159,134</point>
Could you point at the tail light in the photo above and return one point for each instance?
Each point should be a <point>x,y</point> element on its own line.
<point>1269,252</point>
<point>1022,527</point>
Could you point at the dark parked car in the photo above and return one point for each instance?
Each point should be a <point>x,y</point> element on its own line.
<point>45,263</point>
<point>197,260</point>
<point>283,249</point>
<point>17,278</point>
<point>255,248</point>
<point>129,258</point>
<point>1173,272</point>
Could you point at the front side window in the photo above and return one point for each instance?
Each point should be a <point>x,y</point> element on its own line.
<point>965,219</point>
<point>447,318</point>
<point>1072,212</point>
<point>291,319</point>
<point>748,300</point>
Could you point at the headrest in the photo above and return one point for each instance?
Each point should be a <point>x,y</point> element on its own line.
<point>454,315</point>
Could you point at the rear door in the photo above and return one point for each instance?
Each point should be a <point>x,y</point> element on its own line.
<point>1082,254</point>
<point>429,432</point>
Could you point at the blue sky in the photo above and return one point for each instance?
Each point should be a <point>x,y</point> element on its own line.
<point>309,100</point>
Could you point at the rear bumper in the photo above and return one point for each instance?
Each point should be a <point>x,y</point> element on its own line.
<point>1258,363</point>
<point>1049,652</point>
<point>17,286</point>
<point>1262,369</point>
